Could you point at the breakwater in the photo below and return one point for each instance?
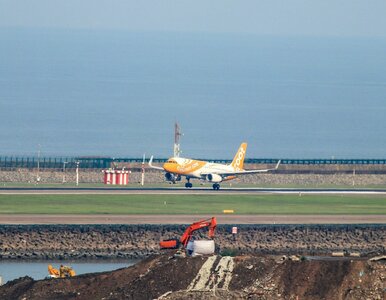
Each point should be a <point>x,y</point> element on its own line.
<point>137,241</point>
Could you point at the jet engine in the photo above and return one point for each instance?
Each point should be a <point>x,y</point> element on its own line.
<point>213,178</point>
<point>172,177</point>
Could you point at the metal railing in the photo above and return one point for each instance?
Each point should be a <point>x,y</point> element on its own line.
<point>11,162</point>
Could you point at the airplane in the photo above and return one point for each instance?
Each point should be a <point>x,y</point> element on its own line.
<point>176,167</point>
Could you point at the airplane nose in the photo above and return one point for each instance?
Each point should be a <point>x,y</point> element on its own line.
<point>166,167</point>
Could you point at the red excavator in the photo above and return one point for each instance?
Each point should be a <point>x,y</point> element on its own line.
<point>183,241</point>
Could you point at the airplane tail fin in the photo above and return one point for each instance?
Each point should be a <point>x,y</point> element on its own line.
<point>238,160</point>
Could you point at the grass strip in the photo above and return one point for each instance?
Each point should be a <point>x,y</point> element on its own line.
<point>193,204</point>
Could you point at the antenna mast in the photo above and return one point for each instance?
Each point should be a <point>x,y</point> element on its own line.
<point>177,135</point>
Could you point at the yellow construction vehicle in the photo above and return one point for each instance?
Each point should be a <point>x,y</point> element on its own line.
<point>64,271</point>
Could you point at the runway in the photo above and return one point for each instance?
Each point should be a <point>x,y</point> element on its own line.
<point>184,191</point>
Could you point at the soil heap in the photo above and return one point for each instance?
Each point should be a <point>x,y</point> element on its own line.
<point>216,277</point>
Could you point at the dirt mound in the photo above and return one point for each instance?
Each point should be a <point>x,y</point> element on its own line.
<point>216,277</point>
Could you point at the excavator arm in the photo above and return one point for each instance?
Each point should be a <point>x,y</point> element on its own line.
<point>52,271</point>
<point>211,223</point>
<point>187,235</point>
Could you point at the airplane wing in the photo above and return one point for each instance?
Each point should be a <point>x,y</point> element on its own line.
<point>244,172</point>
<point>154,167</point>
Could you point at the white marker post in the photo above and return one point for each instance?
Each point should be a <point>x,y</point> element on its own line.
<point>143,171</point>
<point>77,173</point>
<point>64,171</point>
<point>353,177</point>
<point>38,174</point>
<point>234,232</point>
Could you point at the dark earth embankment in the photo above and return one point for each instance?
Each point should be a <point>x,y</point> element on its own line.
<point>138,241</point>
<point>215,277</point>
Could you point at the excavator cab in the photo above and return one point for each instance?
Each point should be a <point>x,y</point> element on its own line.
<point>66,271</point>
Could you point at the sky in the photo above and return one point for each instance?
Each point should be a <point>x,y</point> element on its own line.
<point>270,17</point>
<point>325,54</point>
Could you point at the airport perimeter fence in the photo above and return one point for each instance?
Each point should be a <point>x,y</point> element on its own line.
<point>14,162</point>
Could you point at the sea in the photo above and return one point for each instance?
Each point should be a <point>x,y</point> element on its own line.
<point>38,269</point>
<point>119,93</point>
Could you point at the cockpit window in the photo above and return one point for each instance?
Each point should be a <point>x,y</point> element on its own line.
<point>171,162</point>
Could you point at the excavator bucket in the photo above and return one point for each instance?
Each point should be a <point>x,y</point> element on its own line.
<point>66,271</point>
<point>169,244</point>
<point>212,227</point>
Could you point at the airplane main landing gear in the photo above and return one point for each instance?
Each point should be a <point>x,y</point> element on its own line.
<point>216,186</point>
<point>188,185</point>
